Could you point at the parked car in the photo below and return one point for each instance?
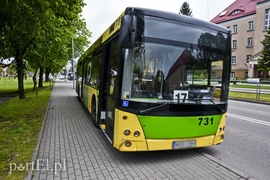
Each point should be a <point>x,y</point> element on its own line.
<point>70,76</point>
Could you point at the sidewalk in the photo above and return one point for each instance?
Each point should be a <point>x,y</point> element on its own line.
<point>70,147</point>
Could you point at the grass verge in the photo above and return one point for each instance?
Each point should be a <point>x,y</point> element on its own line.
<point>250,96</point>
<point>20,124</point>
<point>251,86</point>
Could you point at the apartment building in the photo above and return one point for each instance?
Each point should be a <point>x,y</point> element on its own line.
<point>248,21</point>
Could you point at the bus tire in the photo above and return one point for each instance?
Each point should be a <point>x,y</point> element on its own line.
<point>94,113</point>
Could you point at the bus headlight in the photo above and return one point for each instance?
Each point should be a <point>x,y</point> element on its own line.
<point>127,143</point>
<point>127,132</point>
<point>136,133</point>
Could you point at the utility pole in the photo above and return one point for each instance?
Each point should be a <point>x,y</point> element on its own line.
<point>73,69</point>
<point>207,9</point>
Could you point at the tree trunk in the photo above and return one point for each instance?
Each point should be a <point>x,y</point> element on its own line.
<point>20,67</point>
<point>41,72</point>
<point>35,80</point>
<point>47,72</point>
<point>19,62</point>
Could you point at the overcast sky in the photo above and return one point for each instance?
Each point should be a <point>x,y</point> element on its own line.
<point>100,14</point>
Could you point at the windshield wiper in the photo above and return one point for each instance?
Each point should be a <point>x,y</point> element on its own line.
<point>159,106</point>
<point>152,108</point>
<point>222,111</point>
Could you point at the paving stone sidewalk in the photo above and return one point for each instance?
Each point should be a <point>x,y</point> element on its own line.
<point>70,147</point>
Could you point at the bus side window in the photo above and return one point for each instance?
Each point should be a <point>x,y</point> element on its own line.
<point>89,73</point>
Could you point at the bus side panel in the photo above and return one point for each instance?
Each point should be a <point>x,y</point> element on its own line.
<point>89,93</point>
<point>125,121</point>
<point>219,137</point>
<point>85,96</point>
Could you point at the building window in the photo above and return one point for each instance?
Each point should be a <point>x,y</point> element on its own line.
<point>229,28</point>
<point>249,42</point>
<point>237,11</point>
<point>233,60</point>
<point>213,74</point>
<point>248,56</point>
<point>234,44</point>
<point>267,19</point>
<point>250,25</point>
<point>234,29</point>
<point>232,75</point>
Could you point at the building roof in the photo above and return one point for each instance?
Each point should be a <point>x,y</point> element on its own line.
<point>237,9</point>
<point>254,59</point>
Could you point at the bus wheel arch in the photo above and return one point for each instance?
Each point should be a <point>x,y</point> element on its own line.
<point>94,112</point>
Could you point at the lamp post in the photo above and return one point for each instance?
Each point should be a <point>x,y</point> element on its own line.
<point>73,64</point>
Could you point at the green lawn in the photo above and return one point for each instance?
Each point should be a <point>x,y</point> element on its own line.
<point>250,96</point>
<point>252,86</point>
<point>20,124</point>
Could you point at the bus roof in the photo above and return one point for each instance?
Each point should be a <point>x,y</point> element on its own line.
<point>176,17</point>
<point>155,13</point>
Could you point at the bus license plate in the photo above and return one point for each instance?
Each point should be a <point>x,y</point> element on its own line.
<point>184,144</point>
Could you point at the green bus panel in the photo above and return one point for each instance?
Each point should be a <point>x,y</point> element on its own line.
<point>85,96</point>
<point>156,127</point>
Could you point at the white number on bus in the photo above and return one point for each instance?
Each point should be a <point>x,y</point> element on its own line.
<point>180,95</point>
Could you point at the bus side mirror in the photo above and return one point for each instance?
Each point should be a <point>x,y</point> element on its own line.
<point>128,31</point>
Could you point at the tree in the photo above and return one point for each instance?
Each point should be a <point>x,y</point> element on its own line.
<point>264,60</point>
<point>185,10</point>
<point>35,28</point>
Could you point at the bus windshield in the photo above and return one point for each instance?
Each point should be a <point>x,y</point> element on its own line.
<point>175,63</point>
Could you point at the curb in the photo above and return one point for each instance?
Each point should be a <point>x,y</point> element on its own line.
<point>251,101</point>
<point>34,157</point>
<point>225,165</point>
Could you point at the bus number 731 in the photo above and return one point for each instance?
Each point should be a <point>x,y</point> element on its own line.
<point>206,121</point>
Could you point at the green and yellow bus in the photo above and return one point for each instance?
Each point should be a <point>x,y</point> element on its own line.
<point>156,80</point>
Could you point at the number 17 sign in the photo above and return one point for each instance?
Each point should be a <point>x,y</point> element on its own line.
<point>180,95</point>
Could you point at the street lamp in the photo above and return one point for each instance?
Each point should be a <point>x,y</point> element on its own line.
<point>73,64</point>
<point>207,10</point>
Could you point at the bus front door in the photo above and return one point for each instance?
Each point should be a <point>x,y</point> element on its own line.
<point>112,56</point>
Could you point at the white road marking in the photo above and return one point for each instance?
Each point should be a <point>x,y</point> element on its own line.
<point>249,119</point>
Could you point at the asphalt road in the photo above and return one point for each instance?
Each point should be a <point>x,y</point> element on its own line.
<point>247,144</point>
